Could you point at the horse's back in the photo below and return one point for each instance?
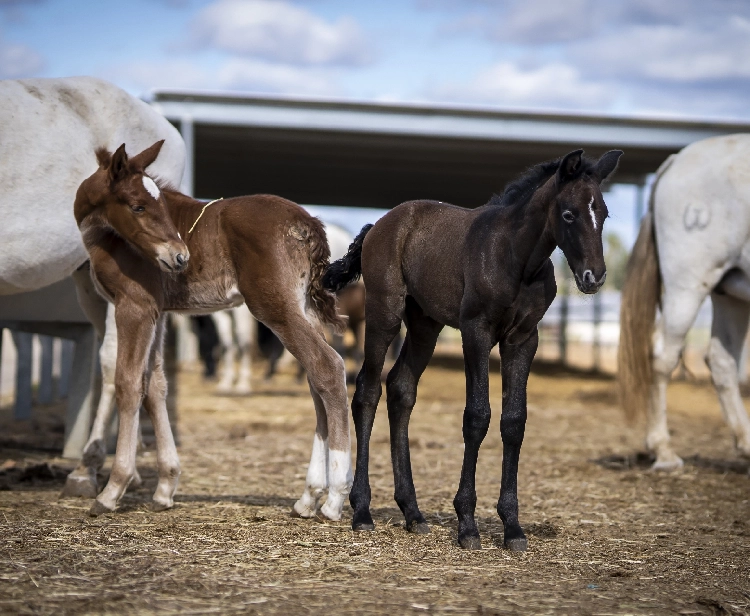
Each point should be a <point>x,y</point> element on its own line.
<point>702,209</point>
<point>50,129</point>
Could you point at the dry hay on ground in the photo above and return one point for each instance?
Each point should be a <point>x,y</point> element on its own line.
<point>605,535</point>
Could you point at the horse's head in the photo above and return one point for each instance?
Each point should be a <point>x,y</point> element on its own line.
<point>128,201</point>
<point>578,215</point>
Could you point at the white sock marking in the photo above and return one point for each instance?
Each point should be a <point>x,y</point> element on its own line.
<point>151,187</point>
<point>591,211</point>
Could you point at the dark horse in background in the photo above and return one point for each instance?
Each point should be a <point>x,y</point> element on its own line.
<point>488,273</point>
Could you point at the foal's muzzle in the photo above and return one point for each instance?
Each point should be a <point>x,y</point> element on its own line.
<point>587,282</point>
<point>171,258</point>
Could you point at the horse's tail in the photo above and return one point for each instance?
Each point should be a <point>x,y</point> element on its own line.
<point>640,296</point>
<point>349,267</point>
<point>321,299</point>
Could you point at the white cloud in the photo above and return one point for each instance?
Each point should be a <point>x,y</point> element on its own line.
<point>280,32</point>
<point>18,61</point>
<point>553,85</point>
<point>258,76</point>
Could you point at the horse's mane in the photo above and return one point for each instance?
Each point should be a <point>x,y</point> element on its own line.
<point>519,191</point>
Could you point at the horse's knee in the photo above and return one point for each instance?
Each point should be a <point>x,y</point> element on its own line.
<point>512,428</point>
<point>665,354</point>
<point>722,365</point>
<point>476,423</point>
<point>329,375</point>
<point>401,395</point>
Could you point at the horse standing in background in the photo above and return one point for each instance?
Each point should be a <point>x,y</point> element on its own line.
<point>488,273</point>
<point>262,250</point>
<point>693,242</point>
<point>50,127</point>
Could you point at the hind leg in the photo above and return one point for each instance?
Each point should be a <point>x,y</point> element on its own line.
<point>223,322</point>
<point>316,481</point>
<point>244,325</point>
<point>383,323</point>
<point>728,332</point>
<point>421,336</point>
<point>678,313</point>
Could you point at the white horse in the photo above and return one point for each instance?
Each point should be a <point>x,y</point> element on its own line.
<point>50,129</point>
<point>695,241</point>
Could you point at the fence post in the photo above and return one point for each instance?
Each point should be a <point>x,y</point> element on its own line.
<point>23,342</point>
<point>45,394</point>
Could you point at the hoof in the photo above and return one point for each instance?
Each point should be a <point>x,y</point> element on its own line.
<point>242,391</point>
<point>471,542</point>
<point>98,509</point>
<point>363,526</point>
<point>519,544</point>
<point>671,463</point>
<point>328,514</point>
<point>83,487</point>
<point>418,528</point>
<point>362,520</point>
<point>302,511</point>
<point>157,506</point>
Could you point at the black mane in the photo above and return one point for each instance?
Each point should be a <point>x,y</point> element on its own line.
<point>519,191</point>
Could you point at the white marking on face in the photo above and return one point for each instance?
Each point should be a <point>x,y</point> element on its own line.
<point>151,187</point>
<point>591,211</point>
<point>178,235</point>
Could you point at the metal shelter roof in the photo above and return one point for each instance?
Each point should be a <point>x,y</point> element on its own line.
<point>378,155</point>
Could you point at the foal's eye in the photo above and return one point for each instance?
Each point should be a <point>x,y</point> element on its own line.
<point>138,208</point>
<point>568,216</point>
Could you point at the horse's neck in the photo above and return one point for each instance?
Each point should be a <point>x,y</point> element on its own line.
<point>183,210</point>
<point>534,241</point>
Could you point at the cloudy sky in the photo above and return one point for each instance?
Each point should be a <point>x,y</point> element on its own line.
<point>652,57</point>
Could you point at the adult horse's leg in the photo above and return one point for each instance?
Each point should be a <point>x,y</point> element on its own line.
<point>477,343</point>
<point>244,326</point>
<point>401,388</point>
<point>516,363</point>
<point>728,332</point>
<point>155,403</point>
<point>679,309</point>
<point>382,326</point>
<point>135,337</point>
<point>223,322</point>
<point>82,480</point>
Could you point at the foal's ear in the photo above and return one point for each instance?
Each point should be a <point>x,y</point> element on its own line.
<point>145,158</point>
<point>569,166</point>
<point>607,164</point>
<point>118,166</point>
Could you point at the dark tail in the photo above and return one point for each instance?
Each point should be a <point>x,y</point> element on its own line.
<point>322,300</point>
<point>348,268</point>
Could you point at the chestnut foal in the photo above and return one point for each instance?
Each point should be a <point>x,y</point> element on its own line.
<point>155,250</point>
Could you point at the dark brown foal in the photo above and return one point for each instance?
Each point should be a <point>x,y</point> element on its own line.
<point>488,273</point>
<point>154,250</point>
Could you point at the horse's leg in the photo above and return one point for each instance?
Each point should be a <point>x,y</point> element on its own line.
<point>679,309</point>
<point>382,325</point>
<point>477,344</point>
<point>728,331</point>
<point>316,481</point>
<point>325,373</point>
<point>155,403</point>
<point>82,480</point>
<point>401,388</point>
<point>244,325</point>
<point>516,363</point>
<point>135,337</point>
<point>223,322</point>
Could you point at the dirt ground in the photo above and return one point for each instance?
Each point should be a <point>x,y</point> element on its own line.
<point>606,536</point>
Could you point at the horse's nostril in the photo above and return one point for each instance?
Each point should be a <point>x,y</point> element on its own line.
<point>588,277</point>
<point>180,259</point>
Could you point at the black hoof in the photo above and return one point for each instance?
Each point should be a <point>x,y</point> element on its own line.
<point>362,520</point>
<point>98,509</point>
<point>519,544</point>
<point>363,526</point>
<point>418,528</point>
<point>471,542</point>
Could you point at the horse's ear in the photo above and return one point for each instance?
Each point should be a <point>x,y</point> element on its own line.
<point>607,164</point>
<point>103,157</point>
<point>569,166</point>
<point>145,158</point>
<point>118,166</point>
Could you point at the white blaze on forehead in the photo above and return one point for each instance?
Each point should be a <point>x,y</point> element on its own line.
<point>591,211</point>
<point>151,187</point>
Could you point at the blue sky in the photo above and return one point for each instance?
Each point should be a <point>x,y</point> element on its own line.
<point>663,58</point>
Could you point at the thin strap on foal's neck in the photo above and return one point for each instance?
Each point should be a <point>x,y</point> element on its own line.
<point>201,214</point>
